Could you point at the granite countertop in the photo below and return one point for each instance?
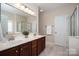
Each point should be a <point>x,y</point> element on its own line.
<point>9,44</point>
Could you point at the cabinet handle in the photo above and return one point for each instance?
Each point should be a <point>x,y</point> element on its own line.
<point>16,51</point>
<point>21,49</point>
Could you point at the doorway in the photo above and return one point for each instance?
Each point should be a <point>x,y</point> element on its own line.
<point>61,30</point>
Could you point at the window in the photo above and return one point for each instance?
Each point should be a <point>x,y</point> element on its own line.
<point>10,26</point>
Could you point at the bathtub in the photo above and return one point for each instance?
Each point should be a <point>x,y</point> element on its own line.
<point>73,45</point>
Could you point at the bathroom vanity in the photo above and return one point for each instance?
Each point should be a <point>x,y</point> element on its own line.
<point>27,47</point>
<point>19,22</point>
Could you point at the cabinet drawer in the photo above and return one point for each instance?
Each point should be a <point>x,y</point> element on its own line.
<point>25,44</point>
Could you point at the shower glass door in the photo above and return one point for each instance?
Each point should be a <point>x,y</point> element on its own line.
<point>74,24</point>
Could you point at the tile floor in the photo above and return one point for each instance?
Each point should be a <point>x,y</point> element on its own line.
<point>54,50</point>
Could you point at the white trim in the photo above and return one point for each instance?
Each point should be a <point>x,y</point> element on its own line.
<point>77,20</point>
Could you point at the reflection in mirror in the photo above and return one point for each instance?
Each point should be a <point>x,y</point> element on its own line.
<point>14,20</point>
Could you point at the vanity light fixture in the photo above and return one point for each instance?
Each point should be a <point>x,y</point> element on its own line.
<point>29,11</point>
<point>24,8</point>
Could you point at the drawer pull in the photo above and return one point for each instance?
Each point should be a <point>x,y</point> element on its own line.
<point>16,51</point>
<point>21,49</point>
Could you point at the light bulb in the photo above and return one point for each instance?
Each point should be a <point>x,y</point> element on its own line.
<point>29,11</point>
<point>26,9</point>
<point>22,7</point>
<point>32,13</point>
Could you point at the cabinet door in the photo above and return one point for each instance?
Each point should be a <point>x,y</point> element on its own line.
<point>10,52</point>
<point>34,51</point>
<point>34,48</point>
<point>41,45</point>
<point>25,49</point>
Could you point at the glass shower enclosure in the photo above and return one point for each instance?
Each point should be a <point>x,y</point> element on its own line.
<point>74,33</point>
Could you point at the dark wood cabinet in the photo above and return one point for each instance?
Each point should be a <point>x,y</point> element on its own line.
<point>43,43</point>
<point>32,48</point>
<point>40,45</point>
<point>10,52</point>
<point>25,49</point>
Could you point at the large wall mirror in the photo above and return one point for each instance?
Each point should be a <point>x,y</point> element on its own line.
<point>14,20</point>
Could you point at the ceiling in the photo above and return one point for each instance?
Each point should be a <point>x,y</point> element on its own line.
<point>42,6</point>
<point>51,6</point>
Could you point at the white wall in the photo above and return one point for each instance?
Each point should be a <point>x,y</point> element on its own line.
<point>47,18</point>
